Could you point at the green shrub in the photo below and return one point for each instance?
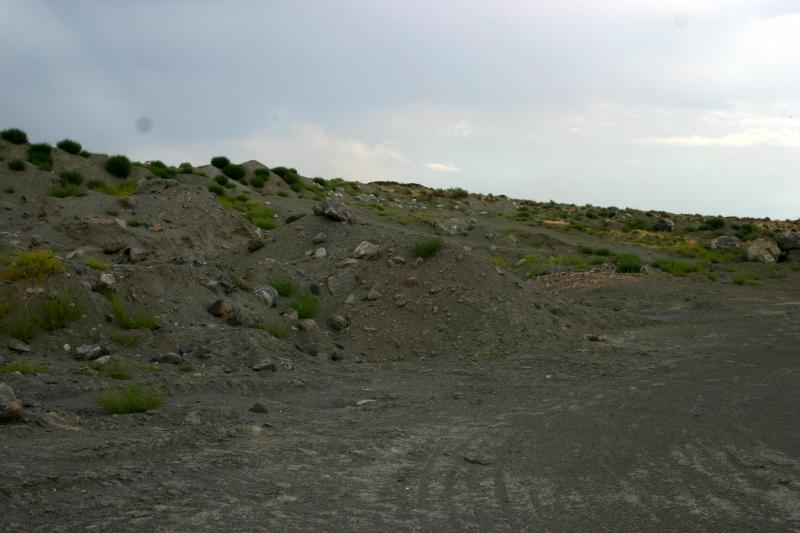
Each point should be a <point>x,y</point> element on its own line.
<point>124,319</point>
<point>114,369</point>
<point>96,263</point>
<point>71,177</point>
<point>322,182</point>
<point>131,399</point>
<point>65,191</point>
<point>429,248</point>
<point>306,305</point>
<point>127,340</point>
<point>58,312</point>
<point>457,193</point>
<point>678,268</point>
<point>241,284</point>
<point>221,179</point>
<point>123,189</point>
<point>712,223</point>
<point>257,181</point>
<point>633,224</point>
<point>16,164</point>
<point>23,367</point>
<point>262,172</point>
<point>14,135</point>
<point>220,161</point>
<point>276,330</point>
<point>216,189</point>
<point>40,154</point>
<point>85,154</point>
<point>32,264</point>
<point>185,168</point>
<point>235,172</point>
<point>20,327</point>
<point>70,146</point>
<point>629,263</point>
<point>257,212</point>
<point>284,286</point>
<point>160,170</point>
<point>119,166</point>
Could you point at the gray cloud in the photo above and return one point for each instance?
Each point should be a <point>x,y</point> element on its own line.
<point>686,105</point>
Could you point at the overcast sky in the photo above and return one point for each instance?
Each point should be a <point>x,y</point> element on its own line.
<point>682,105</point>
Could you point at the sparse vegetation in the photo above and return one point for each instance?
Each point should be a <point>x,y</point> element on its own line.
<point>123,189</point>
<point>14,135</point>
<point>31,264</point>
<point>284,286</point>
<point>23,367</point>
<point>58,312</point>
<point>185,168</point>
<point>216,189</point>
<point>241,284</point>
<point>678,268</point>
<point>127,320</point>
<point>127,340</point>
<point>256,211</point>
<point>221,179</point>
<point>97,263</point>
<point>713,223</point>
<point>113,369</point>
<point>69,185</point>
<point>70,146</point>
<point>40,154</point>
<point>119,166</point>
<point>429,248</point>
<point>131,399</point>
<point>220,161</point>
<point>629,263</point>
<point>16,165</point>
<point>276,330</point>
<point>306,305</point>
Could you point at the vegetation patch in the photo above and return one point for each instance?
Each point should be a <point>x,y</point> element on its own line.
<point>256,211</point>
<point>14,135</point>
<point>16,165</point>
<point>276,330</point>
<point>126,340</point>
<point>23,367</point>
<point>131,399</point>
<point>70,146</point>
<point>58,312</point>
<point>97,263</point>
<point>679,268</point>
<point>234,172</point>
<point>429,248</point>
<point>241,284</point>
<point>127,320</point>
<point>220,161</point>
<point>40,154</point>
<point>31,264</point>
<point>629,263</point>
<point>284,286</point>
<point>118,165</point>
<point>123,189</point>
<point>113,369</point>
<point>306,305</point>
<point>69,185</point>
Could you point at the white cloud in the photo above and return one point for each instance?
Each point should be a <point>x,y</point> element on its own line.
<point>457,130</point>
<point>744,138</point>
<point>442,167</point>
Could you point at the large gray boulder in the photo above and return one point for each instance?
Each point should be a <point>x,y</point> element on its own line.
<point>366,250</point>
<point>763,251</point>
<point>334,211</point>
<point>342,283</point>
<point>726,242</point>
<point>663,224</point>
<point>788,240</point>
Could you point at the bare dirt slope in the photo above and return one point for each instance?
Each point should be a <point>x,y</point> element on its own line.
<point>513,380</point>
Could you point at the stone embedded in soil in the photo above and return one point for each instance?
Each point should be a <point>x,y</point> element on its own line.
<point>320,252</point>
<point>726,242</point>
<point>18,346</point>
<point>374,295</point>
<point>267,294</point>
<point>266,364</point>
<point>170,358</point>
<point>106,283</point>
<point>89,352</point>
<point>10,407</point>
<point>366,250</point>
<point>763,251</point>
<point>102,360</point>
<point>255,245</point>
<point>342,283</point>
<point>397,261</point>
<point>596,338</point>
<point>338,322</point>
<point>417,262</point>
<point>294,218</point>
<point>334,211</point>
<point>319,238</point>
<point>307,324</point>
<point>137,255</point>
<point>220,308</point>
<point>663,224</point>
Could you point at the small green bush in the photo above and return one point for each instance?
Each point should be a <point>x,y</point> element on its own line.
<point>284,286</point>
<point>14,135</point>
<point>119,166</point>
<point>23,367</point>
<point>257,181</point>
<point>127,340</point>
<point>135,223</point>
<point>185,168</point>
<point>20,327</point>
<point>32,264</point>
<point>124,319</point>
<point>97,263</point>
<point>429,248</point>
<point>70,146</point>
<point>220,161</point>
<point>40,154</point>
<point>306,305</point>
<point>85,154</point>
<point>633,224</point>
<point>71,177</point>
<point>123,189</point>
<point>276,330</point>
<point>262,172</point>
<point>16,164</point>
<point>160,170</point>
<point>114,369</point>
<point>629,263</point>
<point>59,312</point>
<point>216,189</point>
<point>241,284</point>
<point>131,399</point>
<point>65,191</point>
<point>712,223</point>
<point>221,179</point>
<point>678,268</point>
<point>235,172</point>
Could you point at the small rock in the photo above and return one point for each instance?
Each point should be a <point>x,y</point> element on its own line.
<point>374,295</point>
<point>319,238</point>
<point>137,255</point>
<point>171,358</point>
<point>269,297</point>
<point>763,251</point>
<point>89,352</point>
<point>307,324</point>
<point>342,283</point>
<point>350,300</point>
<point>106,283</point>
<point>397,261</point>
<point>726,242</point>
<point>596,338</point>
<point>255,245</point>
<point>259,407</point>
<point>319,253</point>
<point>102,360</point>
<point>663,224</point>
<point>266,364</point>
<point>411,282</point>
<point>18,346</point>
<point>315,289</point>
<point>220,308</point>
<point>417,262</point>
<point>338,322</point>
<point>10,407</point>
<point>359,403</point>
<point>294,218</point>
<point>366,250</point>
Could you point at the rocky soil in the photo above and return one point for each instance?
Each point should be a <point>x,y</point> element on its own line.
<point>316,373</point>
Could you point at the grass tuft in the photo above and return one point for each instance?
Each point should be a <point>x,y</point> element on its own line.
<point>629,264</point>
<point>276,330</point>
<point>131,399</point>
<point>97,263</point>
<point>40,154</point>
<point>123,189</point>
<point>126,320</point>
<point>220,161</point>
<point>16,165</point>
<point>58,312</point>
<point>114,369</point>
<point>14,135</point>
<point>306,305</point>
<point>284,286</point>
<point>126,340</point>
<point>23,367</point>
<point>32,264</point>
<point>428,249</point>
<point>70,146</point>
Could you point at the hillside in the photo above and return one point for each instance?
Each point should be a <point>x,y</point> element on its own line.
<point>337,336</point>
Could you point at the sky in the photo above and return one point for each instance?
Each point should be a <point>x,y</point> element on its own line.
<point>690,106</point>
